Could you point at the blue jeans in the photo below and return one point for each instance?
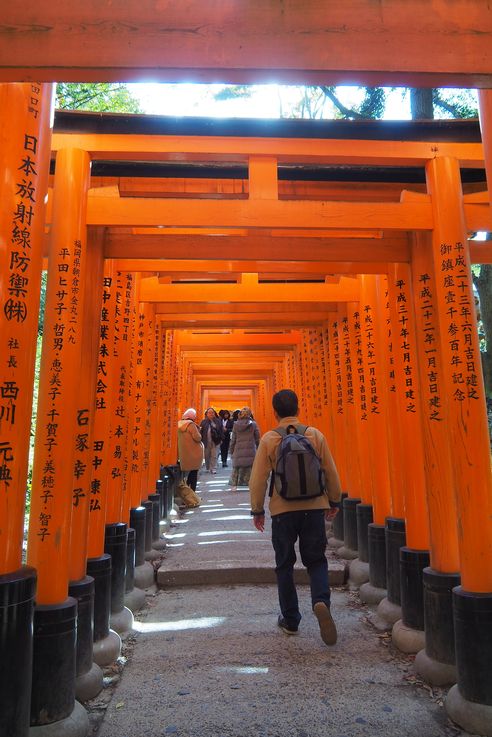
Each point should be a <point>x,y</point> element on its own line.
<point>309,527</point>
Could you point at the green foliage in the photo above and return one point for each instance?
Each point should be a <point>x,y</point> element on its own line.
<point>101,97</point>
<point>42,301</point>
<point>455,103</point>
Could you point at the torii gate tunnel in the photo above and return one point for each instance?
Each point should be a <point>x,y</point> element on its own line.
<point>214,263</point>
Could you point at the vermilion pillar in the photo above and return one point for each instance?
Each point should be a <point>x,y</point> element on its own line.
<point>25,138</point>
<point>372,330</point>
<point>359,568</point>
<point>350,504</point>
<point>339,451</point>
<point>414,557</point>
<point>436,663</point>
<point>468,434</point>
<point>58,408</point>
<point>376,399</point>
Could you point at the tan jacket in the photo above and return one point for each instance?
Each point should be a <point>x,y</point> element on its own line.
<point>265,461</point>
<point>190,446</point>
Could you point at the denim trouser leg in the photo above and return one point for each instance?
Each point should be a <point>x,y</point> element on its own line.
<point>312,546</point>
<point>284,535</point>
<point>310,528</point>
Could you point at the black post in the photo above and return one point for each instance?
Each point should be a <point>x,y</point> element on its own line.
<point>350,522</point>
<point>412,564</point>
<point>148,506</point>
<point>395,539</point>
<point>137,522</point>
<point>156,518</point>
<point>364,519</point>
<point>115,536</point>
<point>17,592</point>
<point>376,542</point>
<point>438,615</point>
<point>337,527</point>
<point>158,490</point>
<point>100,570</point>
<point>130,560</point>
<point>83,593</point>
<point>54,662</point>
<point>473,640</point>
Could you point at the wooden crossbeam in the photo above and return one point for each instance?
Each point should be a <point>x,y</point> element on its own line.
<point>295,42</point>
<point>233,149</point>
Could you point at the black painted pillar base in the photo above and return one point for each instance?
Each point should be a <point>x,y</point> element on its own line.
<point>158,543</point>
<point>137,522</point>
<point>469,703</point>
<point>134,597</point>
<point>54,662</point>
<point>165,478</point>
<point>436,663</point>
<point>349,547</point>
<point>115,541</point>
<point>107,644</point>
<point>88,675</point>
<point>359,567</point>
<point>115,537</point>
<point>150,553</point>
<point>408,633</point>
<point>395,539</point>
<point>17,591</point>
<point>130,559</point>
<point>364,519</point>
<point>144,575</point>
<point>158,490</point>
<point>412,564</point>
<point>336,539</point>
<point>374,590</point>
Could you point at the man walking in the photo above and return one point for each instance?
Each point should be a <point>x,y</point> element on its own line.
<point>301,515</point>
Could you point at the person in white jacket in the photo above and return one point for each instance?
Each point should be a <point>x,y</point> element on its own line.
<point>190,447</point>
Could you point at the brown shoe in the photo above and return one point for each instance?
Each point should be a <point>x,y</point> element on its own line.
<point>327,628</point>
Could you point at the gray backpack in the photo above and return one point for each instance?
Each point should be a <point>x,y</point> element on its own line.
<point>298,471</point>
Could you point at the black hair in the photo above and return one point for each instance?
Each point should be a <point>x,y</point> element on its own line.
<point>285,403</point>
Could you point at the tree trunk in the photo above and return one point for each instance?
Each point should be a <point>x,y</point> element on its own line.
<point>421,105</point>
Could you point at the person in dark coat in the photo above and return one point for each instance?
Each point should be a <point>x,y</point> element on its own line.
<point>244,442</point>
<point>212,434</point>
<point>227,425</point>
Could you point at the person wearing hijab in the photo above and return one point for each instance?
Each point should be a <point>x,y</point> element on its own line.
<point>190,447</point>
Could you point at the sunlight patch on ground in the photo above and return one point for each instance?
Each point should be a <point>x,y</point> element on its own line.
<point>225,509</point>
<point>182,624</point>
<point>219,542</point>
<point>243,669</point>
<point>227,532</point>
<point>172,535</point>
<point>175,545</point>
<point>231,516</point>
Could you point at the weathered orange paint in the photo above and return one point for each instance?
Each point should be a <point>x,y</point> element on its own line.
<point>104,380</point>
<point>82,484</point>
<point>25,133</point>
<point>408,393</point>
<point>376,398</point>
<point>361,421</point>
<point>444,553</point>
<point>58,405</point>
<point>464,392</point>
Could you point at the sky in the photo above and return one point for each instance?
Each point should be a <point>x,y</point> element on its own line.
<point>266,101</point>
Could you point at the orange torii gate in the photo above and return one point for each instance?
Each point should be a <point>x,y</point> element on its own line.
<point>417,281</point>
